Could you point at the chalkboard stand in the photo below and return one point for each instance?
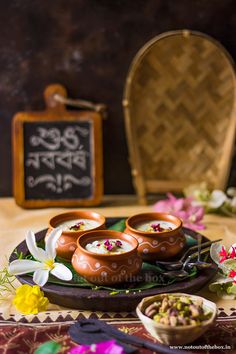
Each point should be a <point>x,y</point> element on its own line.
<point>47,175</point>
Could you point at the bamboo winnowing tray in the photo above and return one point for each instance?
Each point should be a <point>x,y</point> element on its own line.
<point>179,105</point>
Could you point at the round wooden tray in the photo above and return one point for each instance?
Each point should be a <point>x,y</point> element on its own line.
<point>101,300</point>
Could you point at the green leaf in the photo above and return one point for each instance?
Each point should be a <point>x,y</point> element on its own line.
<point>118,226</point>
<point>49,347</point>
<point>190,240</point>
<point>151,267</point>
<point>231,289</point>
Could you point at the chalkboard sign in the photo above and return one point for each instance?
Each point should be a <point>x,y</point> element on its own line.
<point>57,156</point>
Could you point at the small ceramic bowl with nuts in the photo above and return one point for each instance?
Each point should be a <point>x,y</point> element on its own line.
<point>176,319</point>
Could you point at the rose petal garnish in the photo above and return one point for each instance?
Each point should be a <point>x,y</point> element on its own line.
<point>118,243</point>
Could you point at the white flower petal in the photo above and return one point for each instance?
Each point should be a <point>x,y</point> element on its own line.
<point>41,276</point>
<point>232,246</point>
<point>37,253</point>
<point>23,266</point>
<point>51,242</point>
<point>61,271</point>
<point>214,252</point>
<point>217,199</point>
<point>231,191</point>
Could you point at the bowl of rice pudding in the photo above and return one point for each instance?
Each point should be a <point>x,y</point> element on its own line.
<point>106,257</point>
<point>159,235</point>
<point>74,224</point>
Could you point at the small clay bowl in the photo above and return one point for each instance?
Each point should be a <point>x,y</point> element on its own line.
<point>67,243</point>
<point>178,335</point>
<point>157,245</point>
<point>106,269</point>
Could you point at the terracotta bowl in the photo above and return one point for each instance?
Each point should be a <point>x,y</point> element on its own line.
<point>105,269</point>
<point>67,243</point>
<point>179,335</point>
<point>157,245</point>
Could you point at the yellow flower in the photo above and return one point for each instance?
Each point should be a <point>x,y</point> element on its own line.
<point>30,299</point>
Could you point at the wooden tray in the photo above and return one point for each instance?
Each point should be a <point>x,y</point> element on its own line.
<point>101,300</point>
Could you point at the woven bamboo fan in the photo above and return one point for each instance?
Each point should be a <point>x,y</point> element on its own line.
<point>179,105</point>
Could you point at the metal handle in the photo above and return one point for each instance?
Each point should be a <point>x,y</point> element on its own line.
<point>97,107</point>
<point>194,255</point>
<point>208,243</point>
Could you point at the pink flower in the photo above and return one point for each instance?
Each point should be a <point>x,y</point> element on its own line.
<point>183,208</point>
<point>109,347</point>
<point>223,254</point>
<point>232,274</point>
<point>232,254</point>
<point>169,205</point>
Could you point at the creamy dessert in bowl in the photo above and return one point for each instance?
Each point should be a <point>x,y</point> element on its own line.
<point>108,246</point>
<point>106,257</point>
<point>160,235</point>
<point>78,224</point>
<point>155,226</point>
<point>74,224</point>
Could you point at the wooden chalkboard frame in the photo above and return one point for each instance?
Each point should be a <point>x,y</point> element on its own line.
<point>56,111</point>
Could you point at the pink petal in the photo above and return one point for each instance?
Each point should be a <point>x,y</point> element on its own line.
<point>108,347</point>
<point>171,197</point>
<point>162,206</point>
<point>183,215</point>
<point>80,349</point>
<point>178,204</point>
<point>183,208</point>
<point>200,226</point>
<point>187,203</point>
<point>223,252</point>
<point>199,213</point>
<point>194,226</point>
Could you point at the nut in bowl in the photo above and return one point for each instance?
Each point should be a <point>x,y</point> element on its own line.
<point>176,319</point>
<point>74,224</point>
<point>160,235</point>
<point>106,257</point>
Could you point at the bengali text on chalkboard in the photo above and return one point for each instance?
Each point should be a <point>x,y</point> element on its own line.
<point>58,160</point>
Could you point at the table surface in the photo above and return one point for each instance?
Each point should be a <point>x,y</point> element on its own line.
<point>15,222</point>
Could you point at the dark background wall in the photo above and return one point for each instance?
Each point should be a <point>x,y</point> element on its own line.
<point>87,45</point>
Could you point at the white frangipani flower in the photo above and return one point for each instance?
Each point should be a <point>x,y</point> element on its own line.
<point>217,199</point>
<point>202,196</point>
<point>45,260</point>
